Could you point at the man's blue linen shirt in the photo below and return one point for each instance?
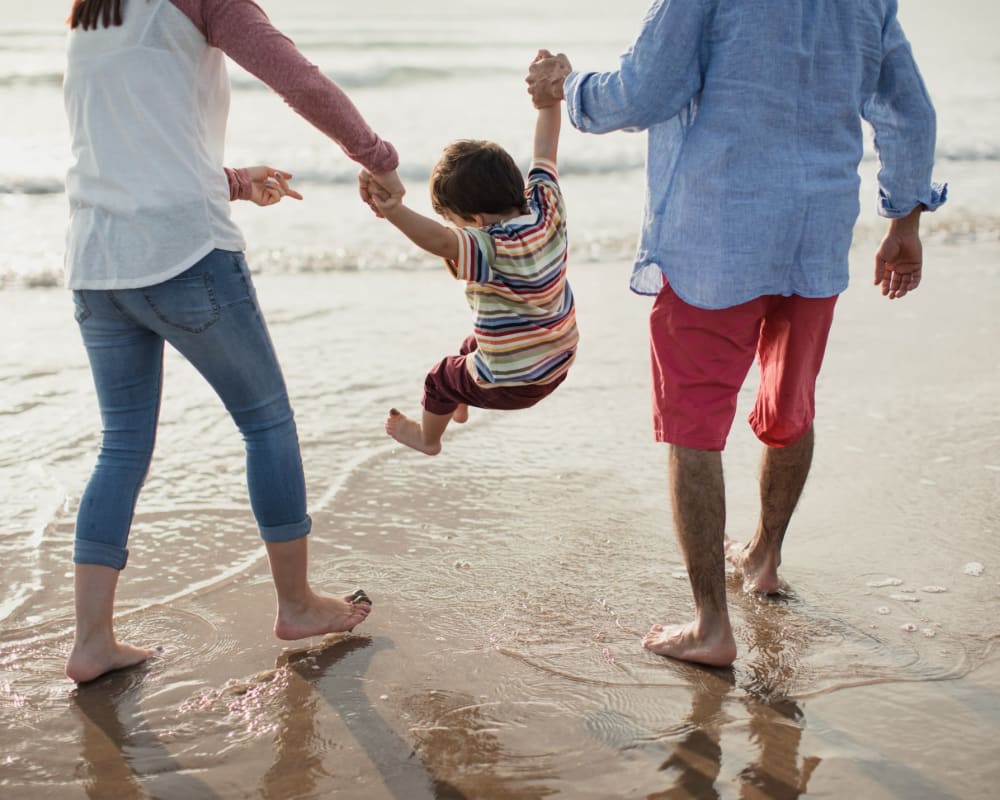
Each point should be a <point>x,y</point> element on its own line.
<point>754,112</point>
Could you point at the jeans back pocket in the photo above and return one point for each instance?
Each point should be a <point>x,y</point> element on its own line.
<point>186,301</point>
<point>80,308</point>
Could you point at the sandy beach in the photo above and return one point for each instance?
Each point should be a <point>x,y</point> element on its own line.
<point>514,575</point>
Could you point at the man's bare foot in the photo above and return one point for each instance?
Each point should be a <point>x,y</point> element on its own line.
<point>760,575</point>
<point>321,615</point>
<point>90,660</point>
<point>461,414</point>
<point>408,431</point>
<point>684,643</point>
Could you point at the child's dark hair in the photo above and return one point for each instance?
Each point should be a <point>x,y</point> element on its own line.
<point>477,177</point>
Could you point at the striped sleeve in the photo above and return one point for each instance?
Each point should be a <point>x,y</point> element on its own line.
<point>476,253</point>
<point>543,185</point>
<point>543,170</point>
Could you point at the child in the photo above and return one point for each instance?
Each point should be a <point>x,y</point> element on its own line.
<point>510,247</point>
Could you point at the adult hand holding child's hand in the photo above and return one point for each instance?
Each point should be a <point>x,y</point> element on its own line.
<point>380,191</point>
<point>545,78</point>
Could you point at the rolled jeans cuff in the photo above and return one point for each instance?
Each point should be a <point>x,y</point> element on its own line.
<point>105,555</point>
<point>286,533</point>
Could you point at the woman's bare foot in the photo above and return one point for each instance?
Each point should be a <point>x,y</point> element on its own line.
<point>409,432</point>
<point>760,575</point>
<point>321,615</point>
<point>684,643</point>
<point>91,659</point>
<point>461,414</point>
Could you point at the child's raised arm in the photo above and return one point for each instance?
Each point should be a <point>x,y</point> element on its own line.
<point>424,232</point>
<point>549,121</point>
<point>547,133</point>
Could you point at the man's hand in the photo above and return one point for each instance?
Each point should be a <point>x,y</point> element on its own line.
<point>385,187</point>
<point>270,185</point>
<point>545,78</point>
<point>899,260</point>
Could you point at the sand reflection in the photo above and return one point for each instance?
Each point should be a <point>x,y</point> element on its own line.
<point>774,723</point>
<point>299,767</point>
<point>116,734</point>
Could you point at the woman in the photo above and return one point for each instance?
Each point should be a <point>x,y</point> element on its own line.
<point>153,257</point>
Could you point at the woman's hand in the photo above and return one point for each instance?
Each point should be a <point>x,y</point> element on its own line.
<point>270,185</point>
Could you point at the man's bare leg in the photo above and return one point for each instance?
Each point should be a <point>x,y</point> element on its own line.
<point>302,612</point>
<point>95,649</point>
<point>699,503</point>
<point>424,436</point>
<point>461,414</point>
<point>783,473</point>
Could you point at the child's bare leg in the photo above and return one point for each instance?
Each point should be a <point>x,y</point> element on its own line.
<point>302,612</point>
<point>424,436</point>
<point>461,414</point>
<point>95,649</point>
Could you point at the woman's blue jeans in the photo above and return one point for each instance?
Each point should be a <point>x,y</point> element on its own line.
<point>209,314</point>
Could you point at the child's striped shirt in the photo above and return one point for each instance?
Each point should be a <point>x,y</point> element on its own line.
<point>516,272</point>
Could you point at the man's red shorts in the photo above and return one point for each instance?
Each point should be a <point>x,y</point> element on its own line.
<point>701,358</point>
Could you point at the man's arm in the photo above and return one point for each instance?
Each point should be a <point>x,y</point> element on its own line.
<point>657,76</point>
<point>903,118</point>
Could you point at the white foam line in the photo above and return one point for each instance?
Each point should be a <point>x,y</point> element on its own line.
<point>328,496</point>
<point>34,545</point>
<point>334,488</point>
<point>188,591</point>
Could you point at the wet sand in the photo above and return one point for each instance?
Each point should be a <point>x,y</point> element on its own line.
<point>514,575</point>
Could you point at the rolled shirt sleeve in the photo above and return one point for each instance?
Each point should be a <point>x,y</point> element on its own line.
<point>240,183</point>
<point>902,115</point>
<point>656,77</point>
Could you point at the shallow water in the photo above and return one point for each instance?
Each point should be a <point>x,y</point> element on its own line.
<point>514,575</point>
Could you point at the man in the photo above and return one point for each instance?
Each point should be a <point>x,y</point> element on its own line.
<point>754,118</point>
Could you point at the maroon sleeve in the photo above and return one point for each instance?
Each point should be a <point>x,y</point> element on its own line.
<point>240,184</point>
<point>241,29</point>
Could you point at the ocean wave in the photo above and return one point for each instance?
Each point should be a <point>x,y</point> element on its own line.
<point>345,174</point>
<point>16,184</point>
<point>16,80</point>
<point>985,152</point>
<point>589,246</point>
<point>386,76</point>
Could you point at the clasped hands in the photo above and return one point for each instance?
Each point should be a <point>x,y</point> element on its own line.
<point>383,192</point>
<point>545,78</point>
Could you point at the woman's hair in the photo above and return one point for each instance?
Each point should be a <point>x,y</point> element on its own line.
<point>86,13</point>
<point>476,177</point>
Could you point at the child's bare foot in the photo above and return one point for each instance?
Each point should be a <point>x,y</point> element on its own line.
<point>683,642</point>
<point>408,431</point>
<point>91,659</point>
<point>760,574</point>
<point>320,615</point>
<point>461,413</point>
